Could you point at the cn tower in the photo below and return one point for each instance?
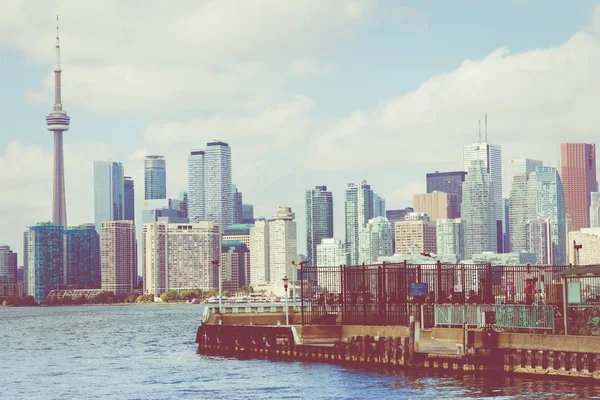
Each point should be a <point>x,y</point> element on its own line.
<point>58,122</point>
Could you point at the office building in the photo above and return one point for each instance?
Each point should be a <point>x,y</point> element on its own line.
<point>240,233</point>
<point>595,210</point>
<point>247,214</point>
<point>358,209</point>
<point>394,216</point>
<point>196,186</point>
<point>539,240</point>
<point>416,235</point>
<point>217,187</point>
<point>118,258</point>
<point>234,269</point>
<point>283,244</point>
<point>589,253</point>
<point>237,205</point>
<point>155,178</point>
<point>450,237</point>
<point>378,206</point>
<point>45,267</point>
<point>319,220</point>
<point>447,182</point>
<point>478,210</point>
<point>578,161</point>
<point>522,200</point>
<point>330,253</point>
<point>128,199</point>
<point>82,257</point>
<point>160,211</point>
<point>109,192</point>
<point>506,236</point>
<point>8,265</point>
<point>259,253</point>
<point>490,156</point>
<point>375,240</point>
<point>550,205</point>
<point>436,205</point>
<point>180,204</point>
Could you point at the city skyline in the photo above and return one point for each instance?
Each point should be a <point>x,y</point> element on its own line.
<point>269,175</point>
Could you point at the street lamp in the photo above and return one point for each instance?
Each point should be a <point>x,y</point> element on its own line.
<point>295,272</point>
<point>285,286</point>
<point>216,264</point>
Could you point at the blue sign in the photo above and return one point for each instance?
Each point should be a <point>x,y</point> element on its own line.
<point>419,289</point>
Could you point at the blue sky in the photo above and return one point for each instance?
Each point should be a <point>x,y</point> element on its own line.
<point>306,92</point>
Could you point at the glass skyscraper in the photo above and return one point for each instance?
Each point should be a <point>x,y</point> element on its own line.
<point>196,197</point>
<point>8,265</point>
<point>521,201</point>
<point>237,205</point>
<point>109,193</point>
<point>82,263</point>
<point>155,178</point>
<point>550,205</point>
<point>319,220</point>
<point>358,210</point>
<point>218,194</point>
<point>447,182</point>
<point>45,260</point>
<point>129,199</point>
<point>247,214</point>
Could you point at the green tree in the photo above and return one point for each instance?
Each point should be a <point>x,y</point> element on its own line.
<point>170,296</point>
<point>226,293</point>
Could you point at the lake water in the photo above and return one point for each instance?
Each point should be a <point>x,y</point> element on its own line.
<point>148,352</point>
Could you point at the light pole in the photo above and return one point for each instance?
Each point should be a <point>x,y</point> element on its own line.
<point>216,264</point>
<point>285,286</point>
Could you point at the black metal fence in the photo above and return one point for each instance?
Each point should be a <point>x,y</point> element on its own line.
<point>389,294</point>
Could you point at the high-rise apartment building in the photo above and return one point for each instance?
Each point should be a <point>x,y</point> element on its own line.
<point>259,253</point>
<point>522,200</point>
<point>118,258</point>
<point>155,178</point>
<point>378,206</point>
<point>394,216</point>
<point>478,210</point>
<point>332,253</point>
<point>45,268</point>
<point>447,182</point>
<point>539,240</point>
<point>247,214</point>
<point>128,199</point>
<point>491,157</point>
<point>234,270</point>
<point>82,257</point>
<point>8,265</point>
<point>237,205</point>
<point>218,194</point>
<point>283,244</point>
<point>196,188</point>
<point>240,233</point>
<point>416,234</point>
<point>319,220</point>
<point>109,193</point>
<point>358,209</point>
<point>595,210</point>
<point>376,240</point>
<point>436,205</point>
<point>550,205</point>
<point>450,235</point>
<point>578,161</point>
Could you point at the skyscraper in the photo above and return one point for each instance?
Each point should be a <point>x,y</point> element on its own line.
<point>237,205</point>
<point>196,189</point>
<point>234,271</point>
<point>82,257</point>
<point>118,258</point>
<point>416,234</point>
<point>155,178</point>
<point>395,216</point>
<point>58,122</point>
<point>8,265</point>
<point>319,220</point>
<point>447,182</point>
<point>595,210</point>
<point>109,193</point>
<point>129,199</point>
<point>218,194</point>
<point>522,200</point>
<point>378,206</point>
<point>450,237</point>
<point>550,205</point>
<point>358,211</point>
<point>259,253</point>
<point>478,210</point>
<point>578,162</point>
<point>376,240</point>
<point>45,258</point>
<point>283,244</point>
<point>491,157</point>
<point>539,240</point>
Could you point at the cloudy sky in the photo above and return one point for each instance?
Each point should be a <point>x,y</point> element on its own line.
<point>306,92</point>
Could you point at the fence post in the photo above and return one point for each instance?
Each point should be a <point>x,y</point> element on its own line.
<point>438,296</point>
<point>489,294</point>
<point>364,290</point>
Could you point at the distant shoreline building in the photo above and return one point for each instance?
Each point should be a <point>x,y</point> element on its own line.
<point>319,220</point>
